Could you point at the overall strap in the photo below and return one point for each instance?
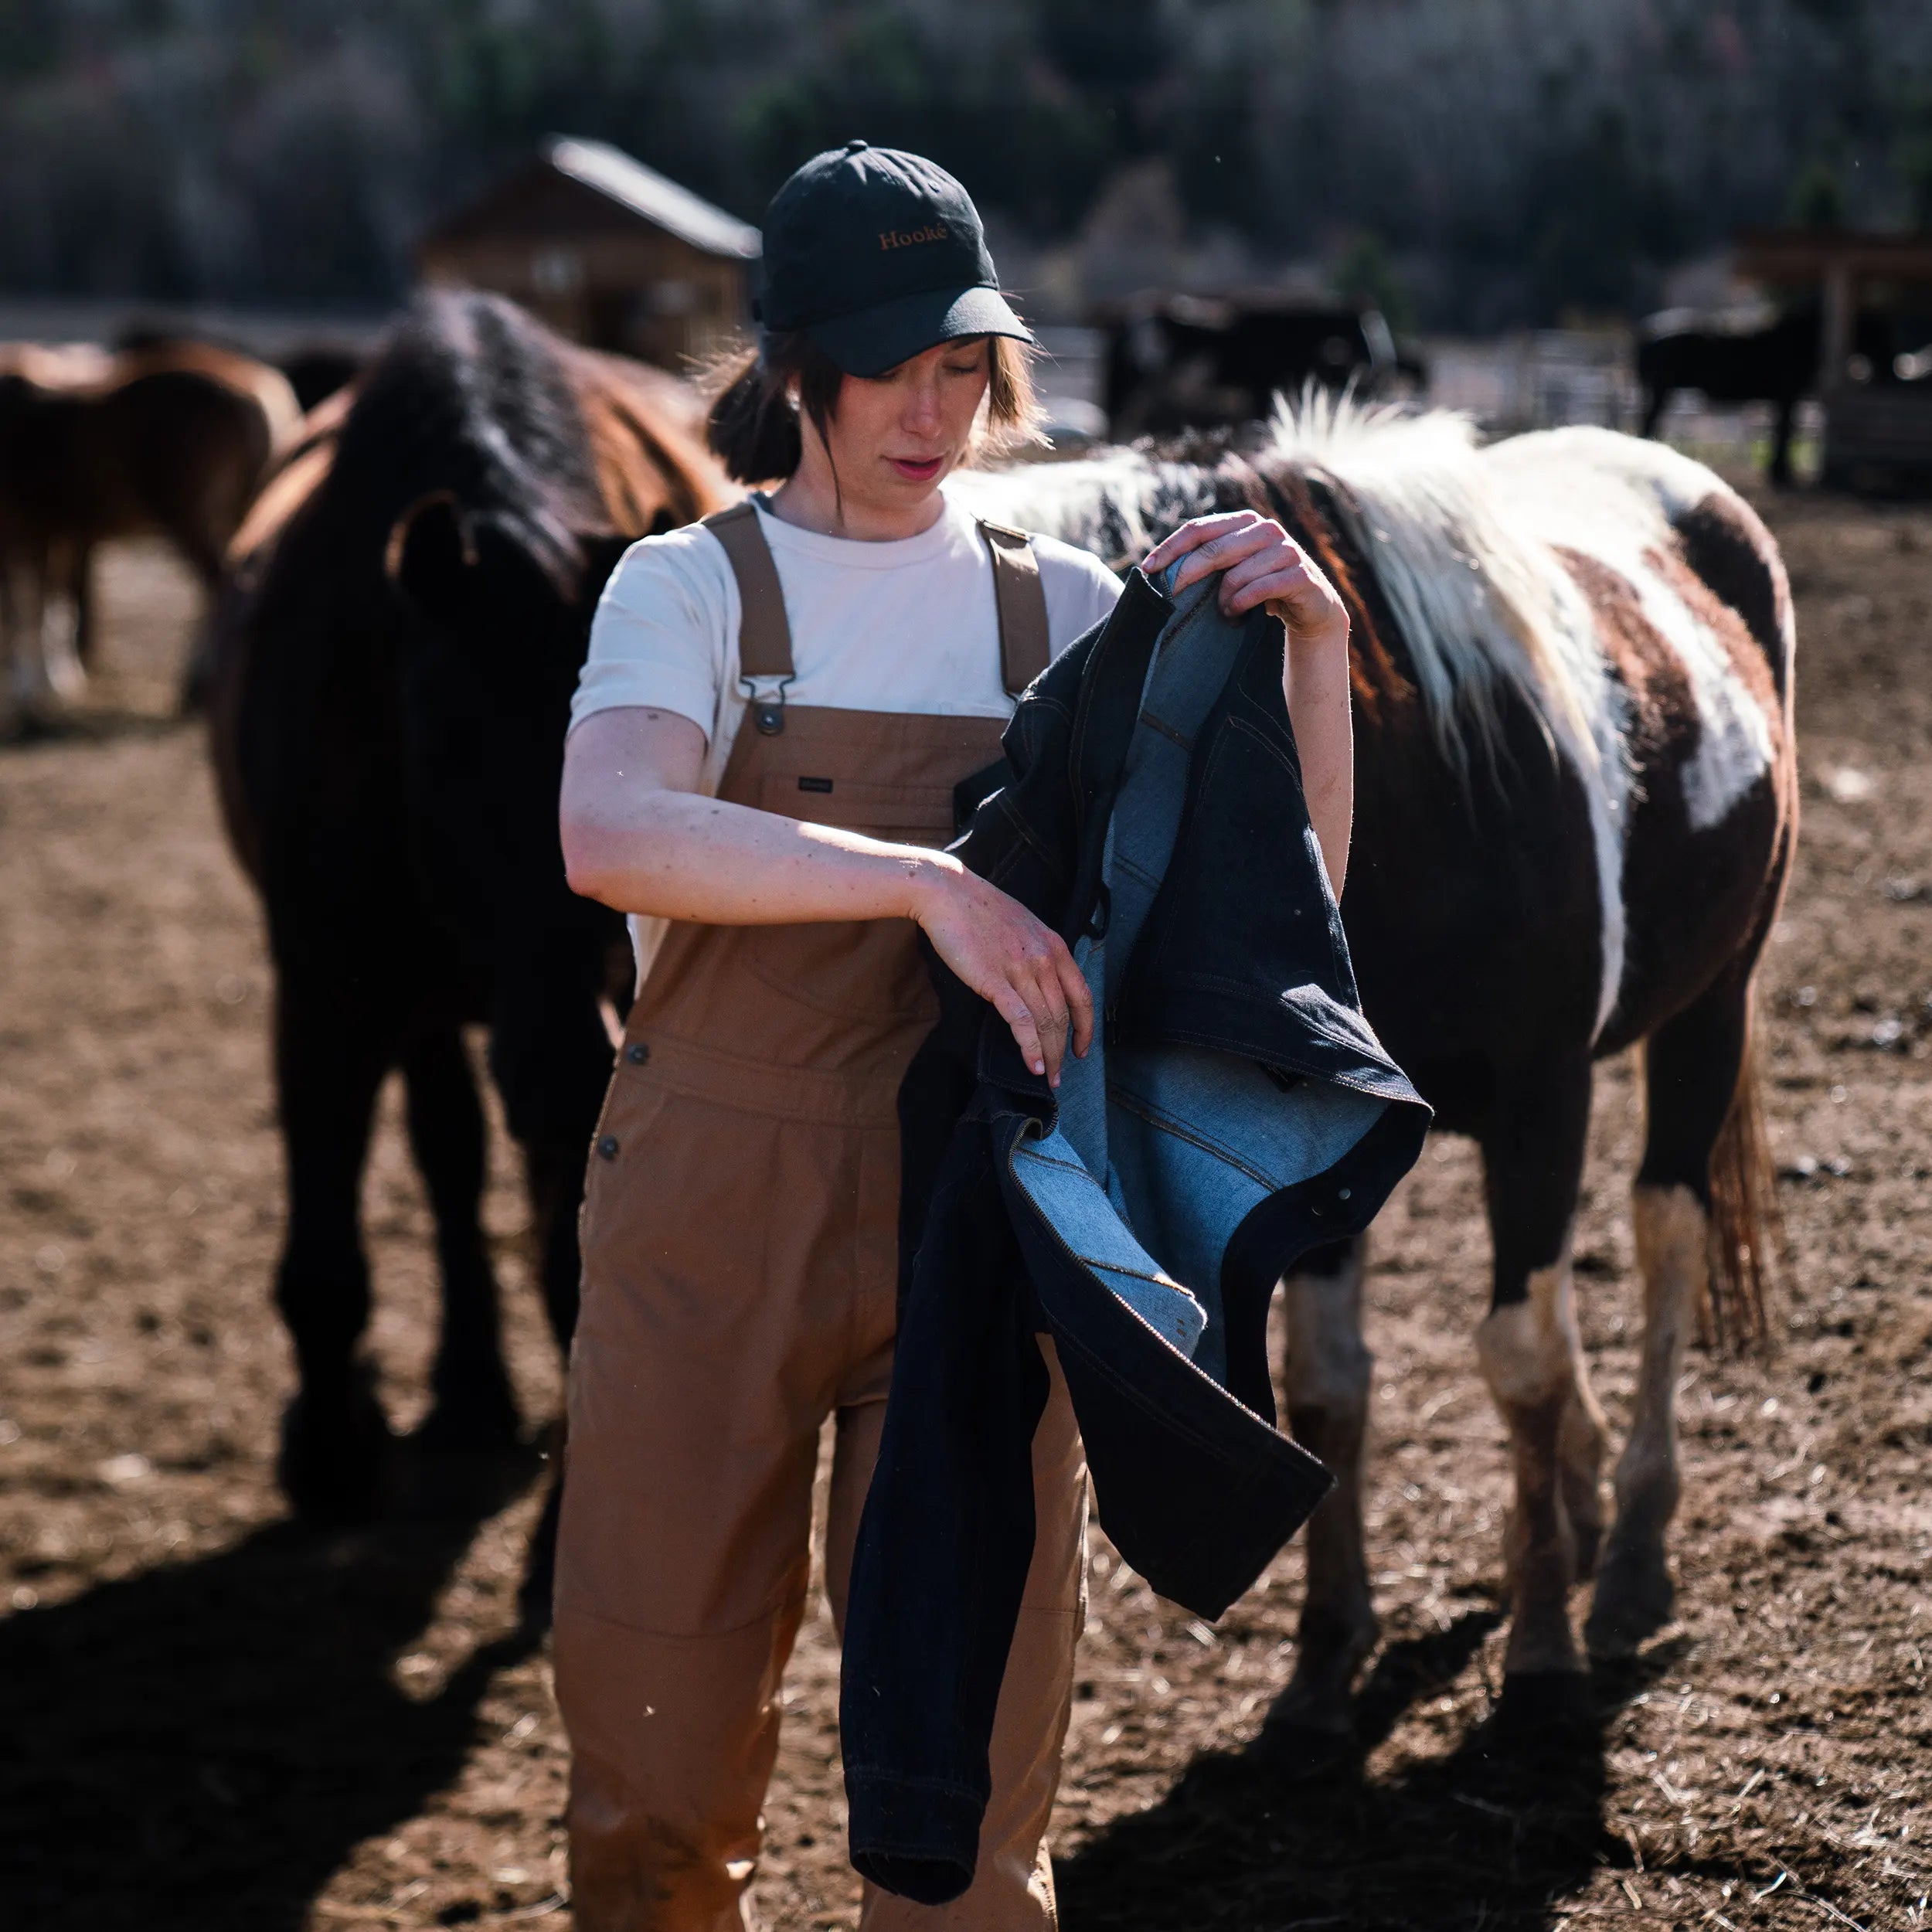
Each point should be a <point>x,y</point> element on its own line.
<point>764,634</point>
<point>1024,643</point>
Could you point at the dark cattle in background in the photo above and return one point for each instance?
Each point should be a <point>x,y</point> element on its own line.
<point>1185,362</point>
<point>171,440</point>
<point>1575,801</point>
<point>1741,358</point>
<point>395,654</point>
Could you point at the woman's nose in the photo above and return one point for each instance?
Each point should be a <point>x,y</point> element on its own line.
<point>922,408</point>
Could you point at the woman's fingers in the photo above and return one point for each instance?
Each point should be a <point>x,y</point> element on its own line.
<point>1045,1001</point>
<point>1226,552</point>
<point>1260,562</point>
<point>1079,996</point>
<point>1195,535</point>
<point>1022,968</point>
<point>1050,1013</point>
<point>1011,1006</point>
<point>1261,579</point>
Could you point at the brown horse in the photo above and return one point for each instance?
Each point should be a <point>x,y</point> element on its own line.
<point>396,646</point>
<point>1576,800</point>
<point>172,441</point>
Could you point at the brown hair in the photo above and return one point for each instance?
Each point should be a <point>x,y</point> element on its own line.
<point>754,424</point>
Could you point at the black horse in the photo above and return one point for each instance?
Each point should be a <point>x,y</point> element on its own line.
<point>1184,362</point>
<point>395,655</point>
<point>1734,358</point>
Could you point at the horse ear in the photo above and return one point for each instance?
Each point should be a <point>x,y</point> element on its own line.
<point>431,554</point>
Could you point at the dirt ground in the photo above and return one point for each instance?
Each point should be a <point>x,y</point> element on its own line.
<point>210,1719</point>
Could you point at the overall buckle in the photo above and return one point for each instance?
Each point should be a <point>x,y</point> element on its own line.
<point>768,709</point>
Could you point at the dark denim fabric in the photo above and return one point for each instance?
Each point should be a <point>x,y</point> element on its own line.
<point>1237,1110</point>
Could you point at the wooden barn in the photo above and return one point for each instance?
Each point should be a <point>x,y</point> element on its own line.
<point>607,250</point>
<point>1878,412</point>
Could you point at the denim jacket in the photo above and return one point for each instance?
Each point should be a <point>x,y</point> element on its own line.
<point>1236,1110</point>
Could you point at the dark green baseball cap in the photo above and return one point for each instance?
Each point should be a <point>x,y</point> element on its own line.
<point>875,255</point>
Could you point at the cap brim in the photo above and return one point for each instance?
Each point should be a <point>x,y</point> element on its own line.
<point>870,341</point>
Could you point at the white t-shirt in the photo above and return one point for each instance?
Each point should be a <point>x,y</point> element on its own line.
<point>909,625</point>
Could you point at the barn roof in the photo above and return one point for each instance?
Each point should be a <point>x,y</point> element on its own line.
<point>623,186</point>
<point>1809,254</point>
<point>611,171</point>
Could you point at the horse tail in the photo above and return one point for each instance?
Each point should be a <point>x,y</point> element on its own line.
<point>1746,1229</point>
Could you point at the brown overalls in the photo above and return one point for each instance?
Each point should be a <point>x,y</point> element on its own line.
<point>740,1262</point>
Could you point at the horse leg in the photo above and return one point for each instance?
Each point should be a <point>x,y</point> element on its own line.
<point>1691,1067</point>
<point>27,604</point>
<point>334,1436</point>
<point>474,1409</point>
<point>1328,1374</point>
<point>62,653</point>
<point>82,591</point>
<point>557,1193</point>
<point>204,554</point>
<point>1656,402</point>
<point>9,624</point>
<point>1780,467</point>
<point>1532,1360</point>
<point>556,1174</point>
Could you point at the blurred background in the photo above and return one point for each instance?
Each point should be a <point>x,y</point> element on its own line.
<point>1509,186</point>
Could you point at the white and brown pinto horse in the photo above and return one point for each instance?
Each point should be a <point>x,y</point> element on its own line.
<point>1575,808</point>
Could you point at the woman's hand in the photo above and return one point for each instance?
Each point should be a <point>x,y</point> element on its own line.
<point>1260,563</point>
<point>1021,968</point>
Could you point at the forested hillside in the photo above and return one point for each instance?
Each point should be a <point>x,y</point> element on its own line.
<point>1482,161</point>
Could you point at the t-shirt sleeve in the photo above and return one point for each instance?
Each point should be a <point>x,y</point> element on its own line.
<point>1080,590</point>
<point>659,635</point>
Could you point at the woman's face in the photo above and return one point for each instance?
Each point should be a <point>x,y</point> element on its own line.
<point>895,438</point>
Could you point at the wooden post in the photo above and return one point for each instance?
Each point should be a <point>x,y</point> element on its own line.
<point>1836,341</point>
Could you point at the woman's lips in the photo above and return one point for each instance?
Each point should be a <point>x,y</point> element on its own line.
<point>920,471</point>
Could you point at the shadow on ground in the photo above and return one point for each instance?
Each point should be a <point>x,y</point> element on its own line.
<point>1497,1835</point>
<point>199,1746</point>
<point>96,724</point>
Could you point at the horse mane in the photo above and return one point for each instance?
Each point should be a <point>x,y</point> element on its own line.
<point>649,463</point>
<point>1486,611</point>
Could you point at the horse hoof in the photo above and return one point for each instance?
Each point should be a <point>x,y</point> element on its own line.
<point>1544,1708</point>
<point>1635,1599</point>
<point>334,1460</point>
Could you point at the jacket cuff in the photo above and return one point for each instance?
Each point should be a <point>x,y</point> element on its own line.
<point>917,1837</point>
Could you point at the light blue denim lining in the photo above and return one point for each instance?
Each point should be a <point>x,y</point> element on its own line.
<point>1195,1141</point>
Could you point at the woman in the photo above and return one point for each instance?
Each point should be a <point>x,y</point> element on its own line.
<point>774,714</point>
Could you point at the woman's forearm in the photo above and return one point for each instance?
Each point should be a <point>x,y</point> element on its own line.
<point>638,836</point>
<point>673,855</point>
<point>1316,677</point>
